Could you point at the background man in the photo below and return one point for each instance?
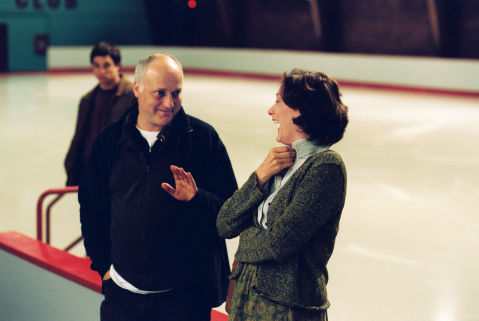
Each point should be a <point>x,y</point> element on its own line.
<point>149,198</point>
<point>106,102</point>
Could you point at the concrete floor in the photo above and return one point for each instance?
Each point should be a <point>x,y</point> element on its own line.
<point>408,243</point>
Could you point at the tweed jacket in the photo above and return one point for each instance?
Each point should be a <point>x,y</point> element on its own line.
<point>303,221</point>
<point>74,159</point>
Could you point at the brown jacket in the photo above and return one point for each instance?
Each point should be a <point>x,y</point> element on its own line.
<point>125,98</point>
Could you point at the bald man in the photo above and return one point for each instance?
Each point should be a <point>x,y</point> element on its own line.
<point>149,198</point>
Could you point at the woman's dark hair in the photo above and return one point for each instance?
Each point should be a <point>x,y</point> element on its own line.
<point>105,49</point>
<point>316,95</point>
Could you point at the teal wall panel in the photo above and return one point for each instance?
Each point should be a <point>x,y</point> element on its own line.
<point>69,23</point>
<point>21,31</point>
<point>118,29</point>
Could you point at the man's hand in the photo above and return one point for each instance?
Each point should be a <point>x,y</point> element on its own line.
<point>107,275</point>
<point>185,185</point>
<point>277,159</point>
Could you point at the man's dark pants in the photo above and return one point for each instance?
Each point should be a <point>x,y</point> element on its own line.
<point>123,305</point>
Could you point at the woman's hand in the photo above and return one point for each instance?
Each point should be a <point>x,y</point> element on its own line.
<point>184,182</point>
<point>277,159</point>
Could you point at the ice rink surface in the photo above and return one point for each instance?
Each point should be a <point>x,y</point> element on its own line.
<point>408,244</point>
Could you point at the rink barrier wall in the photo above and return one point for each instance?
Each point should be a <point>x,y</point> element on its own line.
<point>423,74</point>
<point>40,282</point>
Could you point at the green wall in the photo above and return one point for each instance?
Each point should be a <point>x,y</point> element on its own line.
<point>69,22</point>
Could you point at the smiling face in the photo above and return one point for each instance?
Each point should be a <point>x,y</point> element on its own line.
<point>159,94</point>
<point>283,115</point>
<point>105,70</point>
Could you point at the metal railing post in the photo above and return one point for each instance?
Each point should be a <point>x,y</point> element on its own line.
<point>59,192</point>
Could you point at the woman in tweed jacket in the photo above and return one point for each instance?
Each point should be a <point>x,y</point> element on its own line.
<point>287,213</point>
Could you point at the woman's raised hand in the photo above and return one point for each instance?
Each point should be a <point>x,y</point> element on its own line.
<point>277,159</point>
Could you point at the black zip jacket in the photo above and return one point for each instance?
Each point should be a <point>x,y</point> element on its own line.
<point>154,241</point>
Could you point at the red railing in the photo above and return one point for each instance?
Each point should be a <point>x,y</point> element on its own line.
<point>59,192</point>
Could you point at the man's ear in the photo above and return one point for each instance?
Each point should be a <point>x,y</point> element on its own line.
<point>136,89</point>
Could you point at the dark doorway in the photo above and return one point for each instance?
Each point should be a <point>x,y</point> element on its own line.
<point>3,48</point>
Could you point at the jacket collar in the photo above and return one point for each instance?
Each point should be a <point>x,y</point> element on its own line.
<point>180,123</point>
<point>124,86</point>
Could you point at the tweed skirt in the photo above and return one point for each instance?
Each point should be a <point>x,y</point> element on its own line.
<point>247,305</point>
